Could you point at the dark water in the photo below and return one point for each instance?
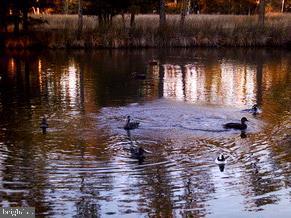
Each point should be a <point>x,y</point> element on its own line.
<point>83,165</point>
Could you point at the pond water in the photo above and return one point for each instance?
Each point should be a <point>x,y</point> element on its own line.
<point>84,167</point>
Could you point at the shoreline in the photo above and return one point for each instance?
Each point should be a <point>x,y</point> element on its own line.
<point>32,43</point>
<point>59,32</point>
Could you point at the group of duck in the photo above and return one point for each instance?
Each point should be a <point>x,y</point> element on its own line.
<point>138,152</point>
<point>240,126</point>
<point>221,159</point>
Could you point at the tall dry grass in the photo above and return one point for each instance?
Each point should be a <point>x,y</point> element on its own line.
<point>199,30</point>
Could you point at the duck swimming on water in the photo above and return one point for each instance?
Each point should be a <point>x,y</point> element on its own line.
<point>137,152</point>
<point>221,161</point>
<point>130,125</point>
<point>253,110</point>
<point>240,126</point>
<point>44,125</point>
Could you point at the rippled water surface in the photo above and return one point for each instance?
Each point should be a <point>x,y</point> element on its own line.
<point>84,165</point>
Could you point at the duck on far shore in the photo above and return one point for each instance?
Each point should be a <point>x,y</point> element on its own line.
<point>240,126</point>
<point>130,125</point>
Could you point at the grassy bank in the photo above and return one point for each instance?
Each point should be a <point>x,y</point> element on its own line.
<point>199,30</point>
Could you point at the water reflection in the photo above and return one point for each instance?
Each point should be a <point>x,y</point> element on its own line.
<point>229,84</point>
<point>80,167</point>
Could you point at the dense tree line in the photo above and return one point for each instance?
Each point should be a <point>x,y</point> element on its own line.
<point>16,11</point>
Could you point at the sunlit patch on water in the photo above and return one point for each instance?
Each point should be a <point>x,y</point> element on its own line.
<point>164,116</point>
<point>193,134</point>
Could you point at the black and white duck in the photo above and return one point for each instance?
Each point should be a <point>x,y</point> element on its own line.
<point>240,126</point>
<point>220,159</point>
<point>130,125</point>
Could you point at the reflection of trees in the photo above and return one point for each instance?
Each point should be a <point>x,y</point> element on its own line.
<point>30,86</point>
<point>161,188</point>
<point>86,206</point>
<point>259,76</point>
<point>173,82</point>
<point>258,184</point>
<point>23,170</point>
<point>87,209</point>
<point>198,189</point>
<point>156,190</point>
<point>25,174</point>
<point>103,78</point>
<point>231,80</point>
<point>196,84</point>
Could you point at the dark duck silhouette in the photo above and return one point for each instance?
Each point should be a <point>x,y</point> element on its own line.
<point>44,125</point>
<point>240,126</point>
<point>139,76</point>
<point>130,125</point>
<point>243,134</point>
<point>137,153</point>
<point>253,110</point>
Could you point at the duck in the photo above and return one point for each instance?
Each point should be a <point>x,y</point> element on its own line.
<point>140,76</point>
<point>221,161</point>
<point>130,125</point>
<point>44,125</point>
<point>137,152</point>
<point>253,110</point>
<point>240,126</point>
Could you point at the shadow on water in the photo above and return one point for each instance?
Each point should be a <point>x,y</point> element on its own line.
<point>83,165</point>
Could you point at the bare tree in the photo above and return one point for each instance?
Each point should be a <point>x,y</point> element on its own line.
<point>184,10</point>
<point>283,6</point>
<point>162,13</point>
<point>80,19</point>
<point>262,5</point>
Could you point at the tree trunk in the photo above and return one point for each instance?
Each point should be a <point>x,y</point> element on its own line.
<point>283,6</point>
<point>162,13</point>
<point>3,23</point>
<point>183,13</point>
<point>80,20</point>
<point>66,6</point>
<point>16,23</point>
<point>262,12</point>
<point>25,19</point>
<point>123,20</point>
<point>3,9</point>
<point>100,19</point>
<point>132,20</point>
